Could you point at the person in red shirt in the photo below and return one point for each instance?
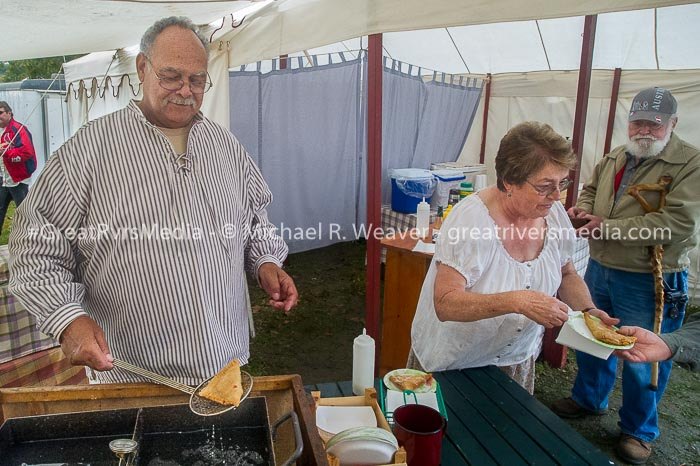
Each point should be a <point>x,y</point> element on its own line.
<point>18,160</point>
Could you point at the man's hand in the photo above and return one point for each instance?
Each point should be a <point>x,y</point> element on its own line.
<point>83,342</point>
<point>279,286</point>
<point>591,228</point>
<point>543,309</point>
<point>648,347</point>
<point>576,212</point>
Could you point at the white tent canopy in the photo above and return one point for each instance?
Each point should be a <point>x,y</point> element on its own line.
<point>287,26</point>
<point>47,28</point>
<point>662,38</point>
<point>43,28</point>
<point>555,44</point>
<point>651,39</point>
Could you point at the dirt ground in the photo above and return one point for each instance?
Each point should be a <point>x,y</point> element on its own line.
<point>315,340</point>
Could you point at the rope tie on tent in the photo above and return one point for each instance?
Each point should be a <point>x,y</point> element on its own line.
<point>223,20</point>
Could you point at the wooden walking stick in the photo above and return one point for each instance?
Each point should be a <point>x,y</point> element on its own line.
<point>656,252</point>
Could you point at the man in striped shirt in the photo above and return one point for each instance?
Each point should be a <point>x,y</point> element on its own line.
<point>134,239</point>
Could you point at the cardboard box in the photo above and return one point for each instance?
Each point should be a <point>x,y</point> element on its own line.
<point>369,399</point>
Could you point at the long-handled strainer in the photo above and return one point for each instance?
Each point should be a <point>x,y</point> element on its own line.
<point>198,405</point>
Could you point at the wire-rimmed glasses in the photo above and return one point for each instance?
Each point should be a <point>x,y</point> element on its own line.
<point>546,190</point>
<point>199,84</point>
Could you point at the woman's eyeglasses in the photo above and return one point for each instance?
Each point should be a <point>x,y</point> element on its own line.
<point>548,189</point>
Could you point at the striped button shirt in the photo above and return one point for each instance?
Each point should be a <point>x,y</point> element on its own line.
<point>149,243</point>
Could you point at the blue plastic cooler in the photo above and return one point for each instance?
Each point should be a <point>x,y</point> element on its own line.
<point>413,181</point>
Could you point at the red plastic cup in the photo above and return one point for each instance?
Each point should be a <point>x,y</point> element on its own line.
<point>419,429</point>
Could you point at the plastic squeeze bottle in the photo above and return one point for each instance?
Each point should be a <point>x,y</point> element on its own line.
<point>423,218</point>
<point>362,363</point>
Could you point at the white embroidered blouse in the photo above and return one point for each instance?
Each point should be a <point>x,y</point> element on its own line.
<point>479,255</point>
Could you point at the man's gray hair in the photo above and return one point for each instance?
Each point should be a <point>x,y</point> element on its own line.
<point>149,37</point>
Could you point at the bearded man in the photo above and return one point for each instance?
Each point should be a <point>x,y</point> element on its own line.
<point>619,273</point>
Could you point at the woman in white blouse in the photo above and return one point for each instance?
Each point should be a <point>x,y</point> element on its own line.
<point>502,269</point>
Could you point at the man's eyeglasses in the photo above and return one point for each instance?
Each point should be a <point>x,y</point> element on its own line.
<point>198,84</point>
<point>546,190</point>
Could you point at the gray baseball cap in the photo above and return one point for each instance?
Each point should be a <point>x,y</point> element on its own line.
<point>654,104</point>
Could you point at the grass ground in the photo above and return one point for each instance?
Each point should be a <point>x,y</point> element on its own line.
<point>315,340</point>
<point>8,223</point>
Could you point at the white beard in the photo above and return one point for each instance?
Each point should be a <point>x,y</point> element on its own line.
<point>646,147</point>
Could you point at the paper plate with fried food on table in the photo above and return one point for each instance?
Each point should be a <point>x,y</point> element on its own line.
<point>592,328</point>
<point>410,379</point>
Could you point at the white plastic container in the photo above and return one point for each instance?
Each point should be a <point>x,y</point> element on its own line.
<point>362,363</point>
<point>470,171</point>
<point>446,180</point>
<point>423,218</point>
<point>480,182</point>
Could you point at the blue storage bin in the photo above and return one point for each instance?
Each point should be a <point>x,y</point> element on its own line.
<point>414,181</point>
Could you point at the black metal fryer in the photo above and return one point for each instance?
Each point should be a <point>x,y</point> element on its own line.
<point>164,435</point>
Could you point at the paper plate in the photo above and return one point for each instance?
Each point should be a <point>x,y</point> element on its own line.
<point>363,445</point>
<point>425,388</point>
<point>579,325</point>
<point>362,451</point>
<point>335,419</point>
<point>376,434</point>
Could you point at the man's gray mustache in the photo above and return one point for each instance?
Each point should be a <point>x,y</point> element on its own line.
<point>182,101</point>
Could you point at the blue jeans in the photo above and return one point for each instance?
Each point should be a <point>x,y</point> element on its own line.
<point>629,296</point>
<point>15,193</point>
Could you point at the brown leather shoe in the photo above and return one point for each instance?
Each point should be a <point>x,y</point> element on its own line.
<point>569,409</point>
<point>633,450</point>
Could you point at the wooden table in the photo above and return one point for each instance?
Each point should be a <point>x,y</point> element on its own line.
<point>404,274</point>
<point>494,421</point>
<point>403,279</point>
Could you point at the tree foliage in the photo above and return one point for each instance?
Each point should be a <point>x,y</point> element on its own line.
<point>34,68</point>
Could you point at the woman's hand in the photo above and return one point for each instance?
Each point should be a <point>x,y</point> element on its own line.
<point>604,317</point>
<point>541,308</point>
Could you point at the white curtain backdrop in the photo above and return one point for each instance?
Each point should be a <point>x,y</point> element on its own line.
<point>403,101</point>
<point>450,108</point>
<point>305,129</point>
<point>301,126</point>
<point>424,121</point>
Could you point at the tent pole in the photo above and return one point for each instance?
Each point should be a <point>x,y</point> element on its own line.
<point>485,124</point>
<point>374,187</point>
<point>553,353</point>
<point>611,111</point>
<point>584,87</point>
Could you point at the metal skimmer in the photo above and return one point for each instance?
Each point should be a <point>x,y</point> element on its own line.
<point>198,405</point>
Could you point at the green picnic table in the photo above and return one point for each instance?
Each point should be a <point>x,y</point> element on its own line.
<point>494,421</point>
